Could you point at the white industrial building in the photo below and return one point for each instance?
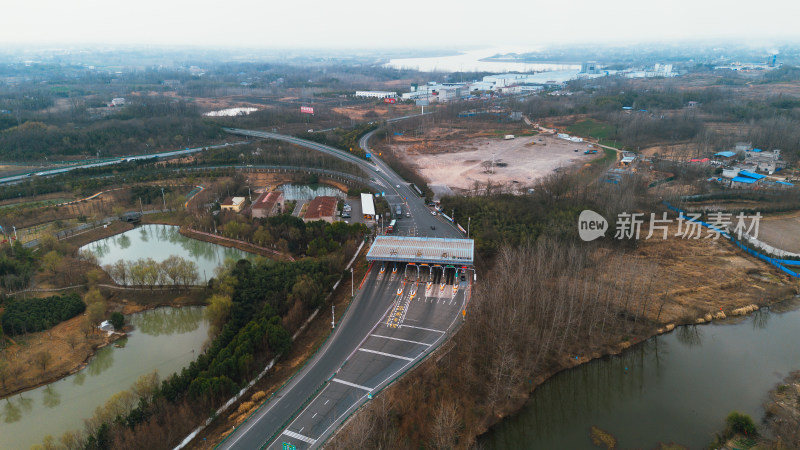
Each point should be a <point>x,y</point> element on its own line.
<point>376,94</point>
<point>367,206</point>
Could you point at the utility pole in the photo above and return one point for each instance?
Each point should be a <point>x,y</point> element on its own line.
<point>469,219</point>
<point>333,317</point>
<point>163,198</point>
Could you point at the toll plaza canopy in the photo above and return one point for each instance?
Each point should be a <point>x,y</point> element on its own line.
<point>421,250</point>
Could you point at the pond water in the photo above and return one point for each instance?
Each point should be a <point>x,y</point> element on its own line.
<point>304,192</point>
<point>160,242</point>
<point>677,387</point>
<point>164,339</point>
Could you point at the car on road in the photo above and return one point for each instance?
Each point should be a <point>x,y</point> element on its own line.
<point>433,227</point>
<point>377,169</point>
<point>433,213</point>
<point>397,186</point>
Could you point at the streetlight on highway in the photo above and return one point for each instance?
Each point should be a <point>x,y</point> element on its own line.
<point>352,285</point>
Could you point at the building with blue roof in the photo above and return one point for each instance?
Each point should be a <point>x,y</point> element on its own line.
<point>746,179</point>
<point>748,174</point>
<point>725,155</point>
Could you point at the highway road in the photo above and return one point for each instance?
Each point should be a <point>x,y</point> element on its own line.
<point>392,323</point>
<point>48,173</point>
<point>397,190</point>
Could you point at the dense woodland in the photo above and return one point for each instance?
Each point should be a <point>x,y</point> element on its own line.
<point>37,314</point>
<point>283,232</point>
<point>17,266</point>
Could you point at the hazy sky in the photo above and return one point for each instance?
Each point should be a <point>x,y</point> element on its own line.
<point>408,23</point>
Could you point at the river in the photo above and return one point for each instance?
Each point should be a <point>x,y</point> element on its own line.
<point>159,242</point>
<point>470,61</point>
<point>164,339</point>
<point>677,387</point>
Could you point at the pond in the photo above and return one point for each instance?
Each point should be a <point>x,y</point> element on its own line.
<point>677,387</point>
<point>304,192</point>
<point>159,242</point>
<point>164,339</point>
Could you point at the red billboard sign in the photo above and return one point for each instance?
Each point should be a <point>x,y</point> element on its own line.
<point>390,100</point>
<point>307,109</point>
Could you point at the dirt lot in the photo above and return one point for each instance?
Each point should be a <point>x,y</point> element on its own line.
<point>462,164</point>
<point>782,232</point>
<point>24,374</point>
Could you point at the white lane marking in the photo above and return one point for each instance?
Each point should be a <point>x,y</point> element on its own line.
<point>385,354</point>
<point>326,401</point>
<point>299,437</point>
<point>401,340</point>
<point>420,328</point>
<point>315,415</point>
<point>347,383</point>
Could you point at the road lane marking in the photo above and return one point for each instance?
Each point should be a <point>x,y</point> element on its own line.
<point>401,340</point>
<point>386,354</point>
<point>420,328</point>
<point>347,383</point>
<point>299,437</point>
<point>315,415</point>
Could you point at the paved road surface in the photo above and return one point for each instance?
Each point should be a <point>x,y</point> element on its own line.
<point>392,323</point>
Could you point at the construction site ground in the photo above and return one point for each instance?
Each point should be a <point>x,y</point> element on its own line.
<point>461,164</point>
<point>781,231</point>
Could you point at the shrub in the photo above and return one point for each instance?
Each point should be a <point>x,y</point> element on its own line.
<point>740,423</point>
<point>118,320</point>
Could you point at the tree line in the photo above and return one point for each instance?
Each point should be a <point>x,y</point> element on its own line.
<point>173,271</point>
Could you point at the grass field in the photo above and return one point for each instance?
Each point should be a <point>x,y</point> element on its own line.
<point>591,128</point>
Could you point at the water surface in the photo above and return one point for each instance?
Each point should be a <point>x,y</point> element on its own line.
<point>164,339</point>
<point>470,61</point>
<point>677,387</point>
<point>159,242</point>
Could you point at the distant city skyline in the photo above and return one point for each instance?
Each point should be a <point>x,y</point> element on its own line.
<point>360,24</point>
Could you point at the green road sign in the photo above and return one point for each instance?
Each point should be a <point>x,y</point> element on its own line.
<point>287,446</point>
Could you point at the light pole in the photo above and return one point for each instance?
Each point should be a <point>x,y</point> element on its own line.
<point>469,219</point>
<point>333,317</point>
<point>163,198</point>
<point>352,283</point>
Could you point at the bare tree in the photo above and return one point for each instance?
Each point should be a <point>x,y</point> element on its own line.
<point>42,359</point>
